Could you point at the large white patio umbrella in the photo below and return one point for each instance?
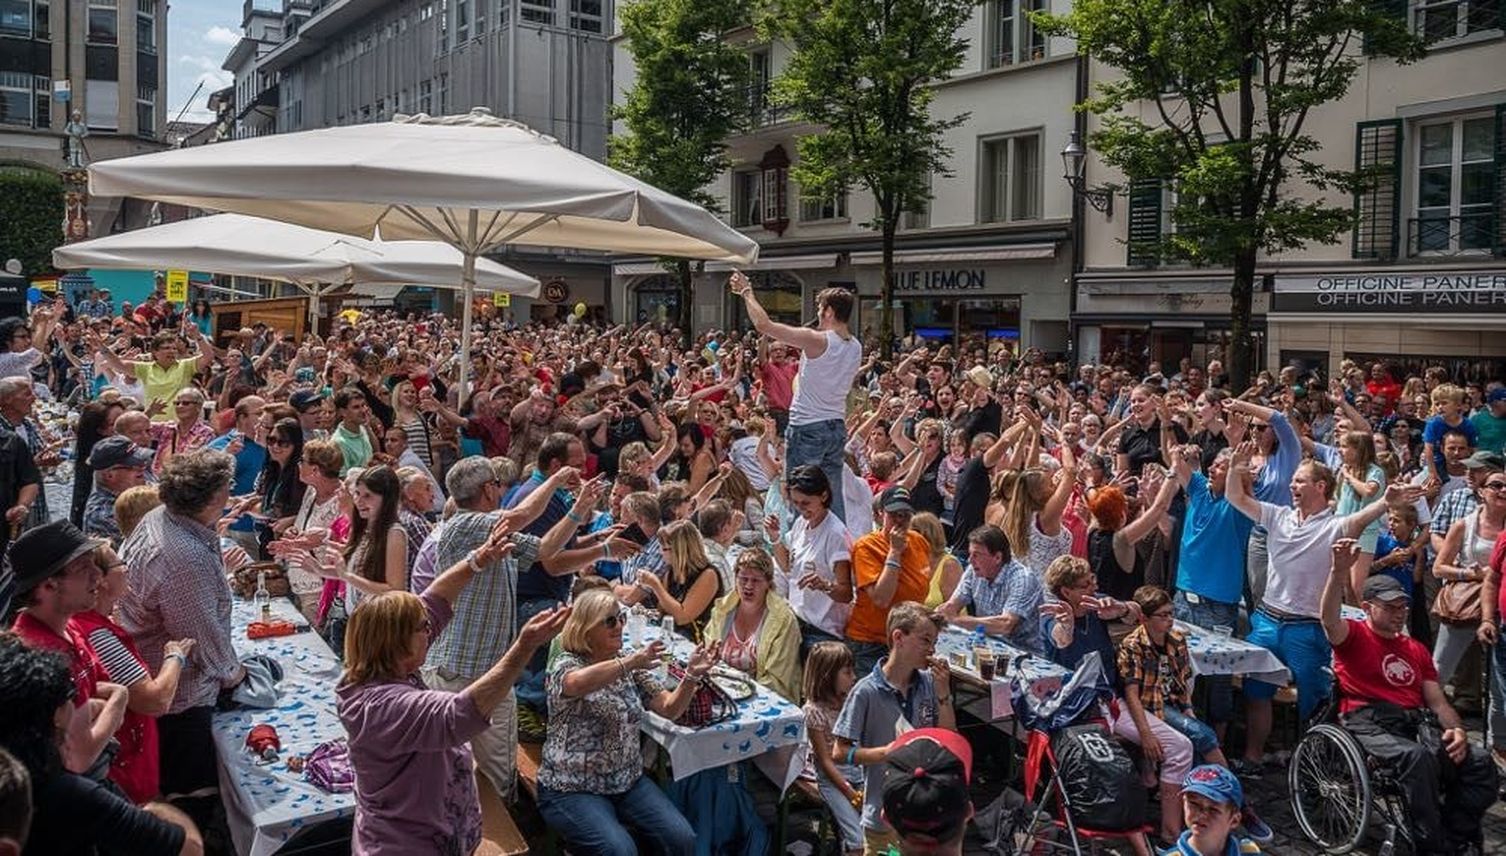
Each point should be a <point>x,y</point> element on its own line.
<point>473,181</point>
<point>315,261</point>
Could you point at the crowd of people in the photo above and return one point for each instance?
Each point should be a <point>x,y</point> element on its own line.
<point>803,512</point>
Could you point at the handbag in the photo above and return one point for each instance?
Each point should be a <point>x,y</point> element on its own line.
<point>1458,602</point>
<point>709,705</point>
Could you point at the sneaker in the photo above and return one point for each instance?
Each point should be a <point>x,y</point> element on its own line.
<point>1255,828</point>
<point>1247,769</point>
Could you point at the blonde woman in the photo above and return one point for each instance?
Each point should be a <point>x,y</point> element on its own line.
<point>691,583</point>
<point>132,505</point>
<point>1028,505</point>
<point>946,571</point>
<point>415,792</point>
<point>591,782</point>
<point>410,419</point>
<point>757,628</point>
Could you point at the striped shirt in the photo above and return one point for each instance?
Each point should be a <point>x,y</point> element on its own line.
<point>116,659</point>
<point>176,590</point>
<point>486,611</point>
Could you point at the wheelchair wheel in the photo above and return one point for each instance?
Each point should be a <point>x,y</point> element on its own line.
<point>1330,789</point>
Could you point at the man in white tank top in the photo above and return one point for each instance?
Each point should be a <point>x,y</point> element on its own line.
<point>829,359</point>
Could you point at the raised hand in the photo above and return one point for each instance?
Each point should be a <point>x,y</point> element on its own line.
<point>542,627</point>
<point>703,658</point>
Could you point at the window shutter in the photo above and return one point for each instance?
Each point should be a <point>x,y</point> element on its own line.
<point>1377,204</point>
<point>1145,222</point>
<point>1500,153</point>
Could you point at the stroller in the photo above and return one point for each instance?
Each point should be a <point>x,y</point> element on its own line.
<point>1079,783</point>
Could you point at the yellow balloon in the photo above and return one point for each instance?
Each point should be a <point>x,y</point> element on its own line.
<point>580,310</point>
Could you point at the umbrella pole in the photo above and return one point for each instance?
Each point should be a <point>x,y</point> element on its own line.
<point>313,329</point>
<point>467,293</point>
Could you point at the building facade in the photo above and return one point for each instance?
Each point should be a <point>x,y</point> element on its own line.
<point>1421,277</point>
<point>105,59</point>
<point>989,260</point>
<point>310,64</point>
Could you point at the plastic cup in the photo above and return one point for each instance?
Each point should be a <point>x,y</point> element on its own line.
<point>1223,630</point>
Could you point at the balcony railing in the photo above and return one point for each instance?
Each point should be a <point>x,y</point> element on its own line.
<point>1459,234</point>
<point>761,111</point>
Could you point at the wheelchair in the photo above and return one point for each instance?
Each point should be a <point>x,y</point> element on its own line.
<point>1336,789</point>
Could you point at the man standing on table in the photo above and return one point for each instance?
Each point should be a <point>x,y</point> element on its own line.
<point>178,591</point>
<point>908,686</point>
<point>1299,537</point>
<point>829,359</point>
<point>1393,705</point>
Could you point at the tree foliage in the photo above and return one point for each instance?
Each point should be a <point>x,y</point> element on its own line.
<point>31,217</point>
<point>1214,97</point>
<point>689,96</point>
<point>863,70</point>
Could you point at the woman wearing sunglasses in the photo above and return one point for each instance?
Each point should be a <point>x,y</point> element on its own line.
<point>415,790</point>
<point>279,487</point>
<point>591,782</point>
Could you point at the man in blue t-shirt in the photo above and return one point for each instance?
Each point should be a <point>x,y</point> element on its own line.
<point>1210,575</point>
<point>241,442</point>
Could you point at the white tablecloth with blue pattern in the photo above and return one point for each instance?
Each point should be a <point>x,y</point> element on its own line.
<point>266,804</point>
<point>1045,677</point>
<point>768,730</point>
<point>1213,654</point>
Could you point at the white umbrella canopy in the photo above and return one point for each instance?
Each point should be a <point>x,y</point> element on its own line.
<point>316,261</point>
<point>474,181</point>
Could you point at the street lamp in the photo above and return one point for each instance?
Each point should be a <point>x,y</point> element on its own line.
<point>1074,160</point>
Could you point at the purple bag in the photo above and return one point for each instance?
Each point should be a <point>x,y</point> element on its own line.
<point>328,767</point>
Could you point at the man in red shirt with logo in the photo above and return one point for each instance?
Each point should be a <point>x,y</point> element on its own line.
<point>1391,702</point>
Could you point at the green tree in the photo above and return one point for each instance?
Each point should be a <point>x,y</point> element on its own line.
<point>690,95</point>
<point>864,70</point>
<point>31,217</point>
<point>1227,87</point>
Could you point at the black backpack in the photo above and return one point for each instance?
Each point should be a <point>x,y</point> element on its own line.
<point>1099,779</point>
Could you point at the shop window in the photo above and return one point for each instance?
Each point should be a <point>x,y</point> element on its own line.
<point>782,295</point>
<point>1440,20</point>
<point>1454,187</point>
<point>1467,369</point>
<point>657,300</point>
<point>747,198</point>
<point>1011,36</point>
<point>1010,171</point>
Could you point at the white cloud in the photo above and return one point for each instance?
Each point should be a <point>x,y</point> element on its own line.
<point>203,63</point>
<point>218,35</point>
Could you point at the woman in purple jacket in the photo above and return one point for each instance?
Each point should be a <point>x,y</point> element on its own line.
<point>415,791</point>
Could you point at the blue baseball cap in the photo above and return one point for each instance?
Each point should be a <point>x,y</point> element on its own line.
<point>1497,394</point>
<point>1216,783</point>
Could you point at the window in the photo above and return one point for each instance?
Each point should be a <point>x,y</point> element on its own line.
<point>814,209</point>
<point>41,22</point>
<point>1011,37</point>
<point>44,102</point>
<point>774,179</point>
<point>102,105</point>
<point>16,100</point>
<point>146,33</point>
<point>146,111</point>
<point>444,93</point>
<point>537,11</point>
<point>747,198</point>
<point>444,26</point>
<point>480,18</point>
<point>426,97</point>
<point>102,22</point>
<point>1437,20</point>
<point>919,215</point>
<point>462,21</point>
<point>1011,174</point>
<point>585,15</point>
<point>16,18</point>
<point>1455,210</point>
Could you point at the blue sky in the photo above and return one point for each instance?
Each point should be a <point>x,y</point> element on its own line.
<point>199,35</point>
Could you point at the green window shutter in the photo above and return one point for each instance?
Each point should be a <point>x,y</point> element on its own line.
<point>1498,228</point>
<point>1377,204</point>
<point>1145,222</point>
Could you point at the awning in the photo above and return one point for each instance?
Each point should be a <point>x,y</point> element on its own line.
<point>1005,253</point>
<point>820,261</point>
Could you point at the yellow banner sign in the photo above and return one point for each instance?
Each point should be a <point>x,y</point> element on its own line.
<point>501,300</point>
<point>177,286</point>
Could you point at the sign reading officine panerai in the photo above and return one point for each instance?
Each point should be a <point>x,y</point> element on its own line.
<point>1438,292</point>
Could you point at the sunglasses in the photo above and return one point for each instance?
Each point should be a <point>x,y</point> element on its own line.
<point>279,442</point>
<point>1496,486</point>
<point>612,620</point>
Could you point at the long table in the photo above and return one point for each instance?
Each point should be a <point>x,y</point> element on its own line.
<point>265,802</point>
<point>768,729</point>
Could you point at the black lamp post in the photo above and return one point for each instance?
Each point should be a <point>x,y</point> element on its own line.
<point>1074,160</point>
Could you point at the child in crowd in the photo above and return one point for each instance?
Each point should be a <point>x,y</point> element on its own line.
<point>1211,797</point>
<point>1155,667</point>
<point>1401,549</point>
<point>1448,407</point>
<point>829,677</point>
<point>951,468</point>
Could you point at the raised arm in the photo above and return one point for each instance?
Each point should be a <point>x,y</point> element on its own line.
<point>1141,526</point>
<point>1051,513</point>
<point>1237,487</point>
<point>1395,494</point>
<point>812,342</point>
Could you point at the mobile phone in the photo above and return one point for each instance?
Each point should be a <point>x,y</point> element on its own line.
<point>635,534</point>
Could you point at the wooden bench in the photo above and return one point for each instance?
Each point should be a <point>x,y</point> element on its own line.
<point>499,833</point>
<point>526,761</point>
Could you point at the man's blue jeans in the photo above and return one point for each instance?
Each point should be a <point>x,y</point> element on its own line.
<point>1208,614</point>
<point>591,823</point>
<point>819,444</point>
<point>530,686</point>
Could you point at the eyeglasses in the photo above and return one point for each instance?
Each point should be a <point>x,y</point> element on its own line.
<point>612,620</point>
<point>279,442</point>
<point>1496,486</point>
<point>186,403</point>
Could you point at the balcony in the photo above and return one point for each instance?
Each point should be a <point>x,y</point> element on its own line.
<point>1471,233</point>
<point>761,112</point>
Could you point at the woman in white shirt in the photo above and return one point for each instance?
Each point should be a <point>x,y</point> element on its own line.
<point>814,559</point>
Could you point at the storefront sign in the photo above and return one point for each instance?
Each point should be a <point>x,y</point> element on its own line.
<point>1393,292</point>
<point>963,279</point>
<point>555,291</point>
